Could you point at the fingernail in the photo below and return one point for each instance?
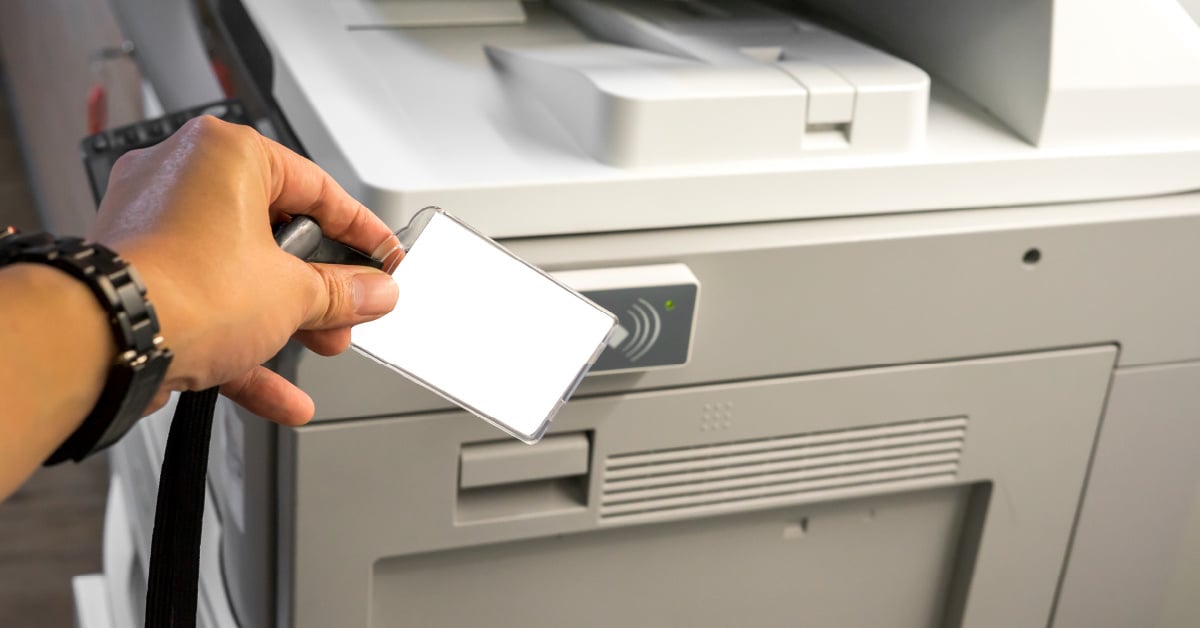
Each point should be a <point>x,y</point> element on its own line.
<point>385,248</point>
<point>391,259</point>
<point>389,252</point>
<point>374,293</point>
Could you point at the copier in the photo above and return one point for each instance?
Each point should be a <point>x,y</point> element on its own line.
<point>912,290</point>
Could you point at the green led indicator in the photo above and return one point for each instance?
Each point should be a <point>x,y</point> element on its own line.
<point>670,305</point>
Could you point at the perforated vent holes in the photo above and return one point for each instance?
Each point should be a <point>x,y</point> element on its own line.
<point>828,464</point>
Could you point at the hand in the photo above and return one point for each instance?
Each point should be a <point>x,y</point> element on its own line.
<point>193,215</point>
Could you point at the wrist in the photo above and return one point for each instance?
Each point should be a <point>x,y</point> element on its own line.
<point>81,339</point>
<point>133,376</point>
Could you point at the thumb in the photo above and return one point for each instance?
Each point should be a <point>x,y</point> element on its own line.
<point>348,295</point>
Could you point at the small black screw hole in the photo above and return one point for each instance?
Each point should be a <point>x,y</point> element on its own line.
<point>1031,257</point>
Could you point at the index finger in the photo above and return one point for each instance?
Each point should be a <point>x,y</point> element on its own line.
<point>299,186</point>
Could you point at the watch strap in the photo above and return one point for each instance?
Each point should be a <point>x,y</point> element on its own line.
<point>141,363</point>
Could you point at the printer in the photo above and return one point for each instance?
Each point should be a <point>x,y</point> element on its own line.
<point>909,291</point>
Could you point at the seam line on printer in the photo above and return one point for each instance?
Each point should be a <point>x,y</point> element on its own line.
<point>1083,490</point>
<point>868,367</point>
<point>889,214</point>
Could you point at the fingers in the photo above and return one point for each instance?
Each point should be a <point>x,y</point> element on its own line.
<point>348,295</point>
<point>270,396</point>
<point>325,342</point>
<point>298,186</point>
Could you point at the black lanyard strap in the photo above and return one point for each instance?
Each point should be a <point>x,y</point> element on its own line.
<point>172,588</point>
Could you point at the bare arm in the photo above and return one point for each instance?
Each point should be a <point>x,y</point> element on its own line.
<point>56,350</point>
<point>193,216</point>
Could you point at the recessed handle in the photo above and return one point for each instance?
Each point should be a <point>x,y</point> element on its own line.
<point>510,462</point>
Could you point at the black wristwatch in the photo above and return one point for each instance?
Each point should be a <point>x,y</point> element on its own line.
<point>142,360</point>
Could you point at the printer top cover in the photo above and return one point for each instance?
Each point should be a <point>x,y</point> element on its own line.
<point>574,116</point>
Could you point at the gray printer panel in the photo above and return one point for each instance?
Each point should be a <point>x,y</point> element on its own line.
<point>765,488</point>
<point>810,296</point>
<point>937,288</point>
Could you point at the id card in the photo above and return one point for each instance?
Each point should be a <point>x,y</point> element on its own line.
<point>482,328</point>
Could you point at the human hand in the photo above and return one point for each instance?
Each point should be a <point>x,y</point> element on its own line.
<point>193,215</point>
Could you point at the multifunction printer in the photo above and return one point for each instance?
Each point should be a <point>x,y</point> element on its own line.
<point>909,291</point>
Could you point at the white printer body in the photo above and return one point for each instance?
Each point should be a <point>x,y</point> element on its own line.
<point>912,292</point>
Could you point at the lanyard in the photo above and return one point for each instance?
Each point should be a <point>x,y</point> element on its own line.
<point>173,585</point>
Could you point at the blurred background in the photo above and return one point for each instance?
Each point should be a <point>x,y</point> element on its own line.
<point>51,528</point>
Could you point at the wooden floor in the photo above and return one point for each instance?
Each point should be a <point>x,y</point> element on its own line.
<point>50,530</point>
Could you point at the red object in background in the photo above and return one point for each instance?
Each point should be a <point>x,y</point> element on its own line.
<point>97,109</point>
<point>223,78</point>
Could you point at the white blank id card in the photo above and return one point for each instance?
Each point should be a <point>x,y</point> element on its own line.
<point>485,330</point>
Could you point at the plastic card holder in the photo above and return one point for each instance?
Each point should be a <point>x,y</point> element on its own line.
<point>484,329</point>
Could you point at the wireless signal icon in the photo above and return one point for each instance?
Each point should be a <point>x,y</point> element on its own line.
<point>647,325</point>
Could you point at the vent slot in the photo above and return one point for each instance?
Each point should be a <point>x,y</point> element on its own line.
<point>826,464</point>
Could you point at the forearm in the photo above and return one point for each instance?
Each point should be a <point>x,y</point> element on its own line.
<point>55,348</point>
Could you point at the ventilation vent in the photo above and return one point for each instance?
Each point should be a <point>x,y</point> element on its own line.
<point>771,470</point>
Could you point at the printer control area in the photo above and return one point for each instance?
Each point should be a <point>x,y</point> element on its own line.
<point>656,309</point>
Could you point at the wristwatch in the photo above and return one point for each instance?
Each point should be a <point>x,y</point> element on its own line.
<point>141,362</point>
